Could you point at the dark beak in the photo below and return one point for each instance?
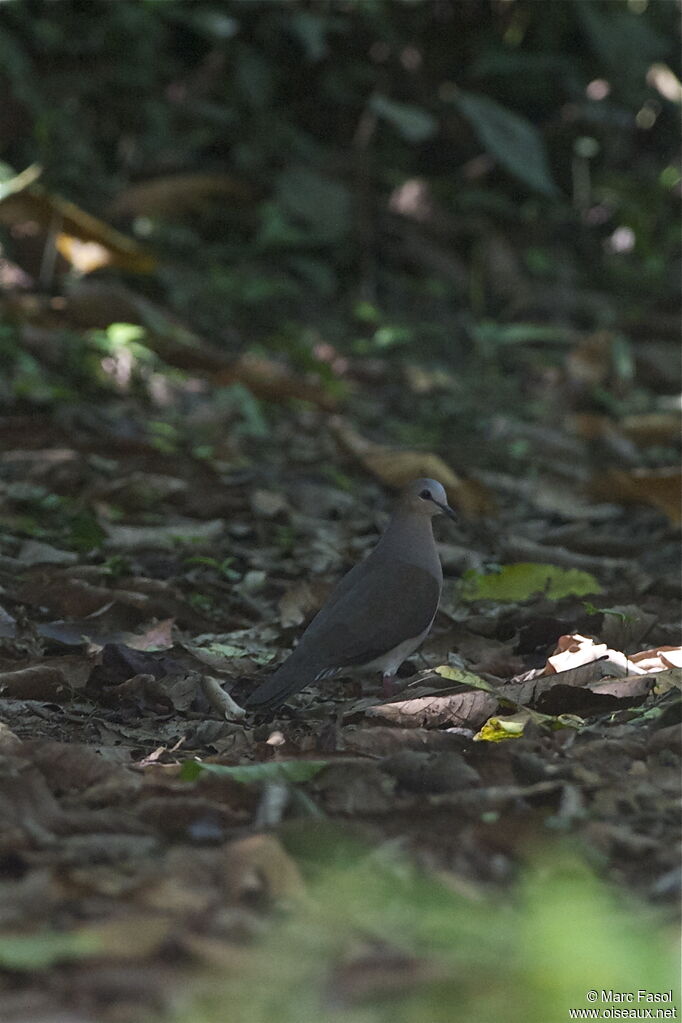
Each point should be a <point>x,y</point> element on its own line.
<point>447,510</point>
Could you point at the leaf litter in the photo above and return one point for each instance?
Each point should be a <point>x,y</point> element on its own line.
<point>146,587</point>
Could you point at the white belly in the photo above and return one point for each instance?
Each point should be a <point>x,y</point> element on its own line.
<point>389,662</point>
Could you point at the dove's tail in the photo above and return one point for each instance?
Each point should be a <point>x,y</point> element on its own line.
<point>292,676</point>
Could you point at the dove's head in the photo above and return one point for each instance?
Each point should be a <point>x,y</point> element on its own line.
<point>426,497</point>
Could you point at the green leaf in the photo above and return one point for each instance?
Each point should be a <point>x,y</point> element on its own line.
<point>320,203</point>
<point>37,951</point>
<point>510,139</point>
<point>249,774</point>
<point>410,121</point>
<point>466,678</point>
<point>592,610</point>
<point>522,580</point>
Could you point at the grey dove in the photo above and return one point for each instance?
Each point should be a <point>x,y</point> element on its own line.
<point>380,612</point>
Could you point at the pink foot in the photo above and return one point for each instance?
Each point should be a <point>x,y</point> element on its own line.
<point>389,685</point>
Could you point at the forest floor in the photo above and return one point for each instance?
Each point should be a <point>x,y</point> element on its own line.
<point>156,554</point>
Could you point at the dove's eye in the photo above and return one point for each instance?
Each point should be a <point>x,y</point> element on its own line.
<point>426,495</point>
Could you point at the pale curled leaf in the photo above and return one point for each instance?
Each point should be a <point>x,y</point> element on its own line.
<point>221,701</point>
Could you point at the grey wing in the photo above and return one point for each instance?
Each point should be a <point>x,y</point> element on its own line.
<point>385,608</point>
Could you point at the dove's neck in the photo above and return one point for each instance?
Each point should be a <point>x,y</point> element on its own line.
<point>409,538</point>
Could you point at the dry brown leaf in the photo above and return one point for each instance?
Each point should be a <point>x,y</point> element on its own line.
<point>653,428</point>
<point>670,678</point>
<point>134,936</point>
<point>74,598</point>
<point>624,688</point>
<point>158,636</point>
<point>9,742</point>
<point>225,956</point>
<point>590,362</point>
<point>396,468</point>
<point>36,683</point>
<point>301,601</point>
<point>175,195</point>
<point>468,709</point>
<point>384,740</point>
<point>273,381</point>
<point>259,867</point>
<point>86,242</point>
<point>659,488</point>
<point>267,504</point>
<point>71,766</point>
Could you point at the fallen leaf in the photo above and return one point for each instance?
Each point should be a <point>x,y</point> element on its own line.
<point>430,772</point>
<point>173,196</point>
<point>385,740</point>
<point>249,774</point>
<point>498,729</point>
<point>221,701</point>
<point>34,552</point>
<point>167,537</point>
<point>271,380</point>
<point>36,683</point>
<point>301,602</point>
<point>396,468</point>
<point>259,867</point>
<point>267,503</point>
<point>158,636</point>
<point>85,241</point>
<point>657,658</point>
<point>667,680</point>
<point>513,583</point>
<point>435,711</point>
<point>572,651</point>
<point>466,678</point>
<point>659,488</point>
<point>131,936</point>
<point>653,428</point>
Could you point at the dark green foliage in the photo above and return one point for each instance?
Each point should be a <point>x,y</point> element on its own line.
<point>322,109</point>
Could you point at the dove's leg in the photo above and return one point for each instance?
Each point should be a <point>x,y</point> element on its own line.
<point>389,685</point>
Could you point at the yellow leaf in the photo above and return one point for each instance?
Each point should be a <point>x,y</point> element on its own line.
<point>499,729</point>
